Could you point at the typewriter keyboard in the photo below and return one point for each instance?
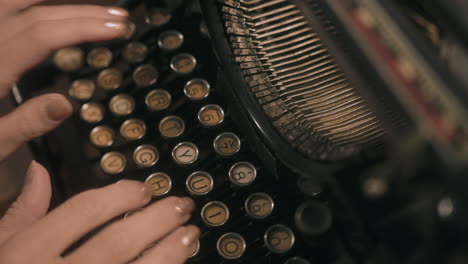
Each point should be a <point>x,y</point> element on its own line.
<point>150,109</point>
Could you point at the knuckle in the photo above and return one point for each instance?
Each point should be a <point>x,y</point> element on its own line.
<point>35,13</point>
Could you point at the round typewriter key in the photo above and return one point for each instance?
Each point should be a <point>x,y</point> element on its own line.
<point>121,105</point>
<point>279,239</point>
<point>133,129</point>
<point>297,260</point>
<point>145,75</point>
<point>92,112</point>
<point>99,58</point>
<point>183,63</point>
<point>197,249</point>
<point>159,17</point>
<point>135,52</point>
<point>197,89</point>
<point>171,126</point>
<point>259,205</point>
<point>211,115</point>
<point>242,173</point>
<point>132,212</point>
<point>113,162</point>
<point>129,30</point>
<point>170,40</point>
<point>82,89</point>
<point>145,156</point>
<point>185,153</point>
<point>227,144</point>
<point>160,182</point>
<point>231,246</point>
<point>102,136</point>
<point>110,79</point>
<point>199,183</point>
<point>158,100</point>
<point>215,213</point>
<point>69,59</point>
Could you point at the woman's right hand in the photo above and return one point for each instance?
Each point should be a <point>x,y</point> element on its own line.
<point>29,235</point>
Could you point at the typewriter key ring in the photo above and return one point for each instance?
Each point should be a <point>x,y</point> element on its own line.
<point>215,214</point>
<point>185,153</point>
<point>69,59</point>
<point>82,89</point>
<point>197,89</point>
<point>160,183</point>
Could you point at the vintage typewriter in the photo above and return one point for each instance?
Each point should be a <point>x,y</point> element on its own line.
<point>306,131</point>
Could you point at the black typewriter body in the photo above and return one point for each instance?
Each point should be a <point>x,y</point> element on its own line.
<point>294,126</point>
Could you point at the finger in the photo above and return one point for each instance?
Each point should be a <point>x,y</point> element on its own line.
<point>31,204</point>
<point>173,249</point>
<point>124,240</point>
<point>81,214</point>
<point>35,14</point>
<point>32,119</point>
<point>34,44</point>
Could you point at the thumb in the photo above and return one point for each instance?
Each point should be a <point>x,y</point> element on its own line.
<point>31,204</point>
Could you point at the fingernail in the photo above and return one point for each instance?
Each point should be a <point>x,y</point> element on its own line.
<point>30,173</point>
<point>121,26</point>
<point>118,12</point>
<point>147,192</point>
<point>184,205</point>
<point>58,108</point>
<point>190,240</point>
<point>126,29</point>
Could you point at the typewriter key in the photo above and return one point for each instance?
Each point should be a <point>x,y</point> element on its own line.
<point>158,100</point>
<point>185,153</point>
<point>171,126</point>
<point>132,212</point>
<point>135,52</point>
<point>82,89</point>
<point>183,63</point>
<point>259,205</point>
<point>145,156</point>
<point>145,75</point>
<point>297,260</point>
<point>133,129</point>
<point>227,144</point>
<point>113,162</point>
<point>199,183</point>
<point>231,246</point>
<point>242,173</point>
<point>160,182</point>
<point>215,214</point>
<point>69,59</point>
<point>159,17</point>
<point>279,239</point>
<point>197,89</point>
<point>170,40</point>
<point>211,115</point>
<point>92,112</point>
<point>99,58</point>
<point>110,79</point>
<point>102,136</point>
<point>129,30</point>
<point>121,105</point>
<point>197,249</point>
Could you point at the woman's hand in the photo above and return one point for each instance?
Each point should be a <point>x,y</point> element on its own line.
<point>29,35</point>
<point>27,233</point>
